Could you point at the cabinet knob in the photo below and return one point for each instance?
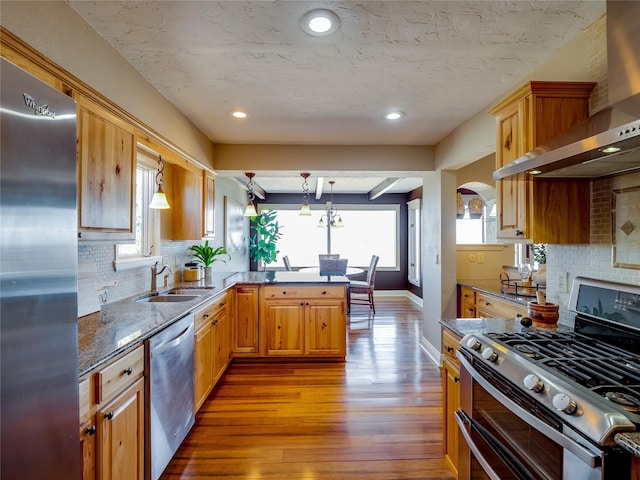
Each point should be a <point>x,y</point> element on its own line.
<point>128,371</point>
<point>302,304</point>
<point>79,234</point>
<point>519,233</point>
<point>90,430</point>
<point>109,415</point>
<point>456,379</point>
<point>284,292</point>
<point>324,293</point>
<point>449,348</point>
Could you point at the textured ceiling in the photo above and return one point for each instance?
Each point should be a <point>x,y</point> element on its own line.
<point>440,62</point>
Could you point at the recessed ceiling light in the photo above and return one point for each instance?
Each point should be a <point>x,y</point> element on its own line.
<point>320,22</point>
<point>239,114</point>
<point>534,172</point>
<point>394,115</point>
<point>610,149</point>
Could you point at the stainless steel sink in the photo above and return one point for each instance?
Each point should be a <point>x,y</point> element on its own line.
<point>189,291</point>
<point>167,298</point>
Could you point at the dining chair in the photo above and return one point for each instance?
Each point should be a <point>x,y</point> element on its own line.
<point>328,256</point>
<point>364,288</point>
<point>287,263</point>
<point>332,266</point>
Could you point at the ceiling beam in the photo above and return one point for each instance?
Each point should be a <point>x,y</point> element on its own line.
<point>382,188</point>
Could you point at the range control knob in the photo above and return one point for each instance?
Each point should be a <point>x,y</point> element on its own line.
<point>533,382</point>
<point>473,343</point>
<point>489,354</point>
<point>564,403</point>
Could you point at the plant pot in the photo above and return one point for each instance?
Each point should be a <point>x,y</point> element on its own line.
<point>208,272</point>
<point>543,315</point>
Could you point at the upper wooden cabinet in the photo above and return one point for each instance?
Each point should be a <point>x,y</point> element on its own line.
<point>106,173</point>
<point>183,187</point>
<point>209,199</point>
<point>533,209</point>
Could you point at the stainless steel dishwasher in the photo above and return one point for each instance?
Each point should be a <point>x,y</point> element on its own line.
<point>169,392</point>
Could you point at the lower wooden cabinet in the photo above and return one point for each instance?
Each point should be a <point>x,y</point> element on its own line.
<point>120,435</point>
<point>212,351</point>
<point>450,398</point>
<point>304,321</point>
<point>245,328</point>
<point>479,304</point>
<point>467,302</point>
<point>112,416</point>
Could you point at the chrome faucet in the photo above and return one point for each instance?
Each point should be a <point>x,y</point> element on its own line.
<point>155,272</point>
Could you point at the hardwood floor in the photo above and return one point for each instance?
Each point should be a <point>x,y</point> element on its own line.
<point>377,416</point>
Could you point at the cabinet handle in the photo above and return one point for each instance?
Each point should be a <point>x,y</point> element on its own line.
<point>519,233</point>
<point>324,293</point>
<point>487,304</point>
<point>449,348</point>
<point>128,371</point>
<point>284,292</point>
<point>90,430</point>
<point>307,304</point>
<point>206,315</point>
<point>79,234</point>
<point>109,415</point>
<point>456,379</point>
<point>302,304</point>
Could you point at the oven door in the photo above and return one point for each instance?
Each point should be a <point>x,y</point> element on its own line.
<point>507,436</point>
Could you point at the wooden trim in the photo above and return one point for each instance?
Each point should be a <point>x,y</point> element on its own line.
<point>14,49</point>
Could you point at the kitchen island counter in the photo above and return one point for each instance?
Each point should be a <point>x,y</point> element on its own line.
<point>122,325</point>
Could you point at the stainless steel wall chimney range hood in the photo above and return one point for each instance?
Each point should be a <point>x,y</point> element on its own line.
<point>608,142</point>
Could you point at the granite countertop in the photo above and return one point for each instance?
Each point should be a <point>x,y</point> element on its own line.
<point>493,286</point>
<point>122,325</point>
<point>464,326</point>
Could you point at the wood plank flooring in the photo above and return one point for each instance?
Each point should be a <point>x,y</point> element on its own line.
<point>377,416</point>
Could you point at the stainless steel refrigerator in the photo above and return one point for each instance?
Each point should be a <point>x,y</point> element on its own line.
<point>38,281</point>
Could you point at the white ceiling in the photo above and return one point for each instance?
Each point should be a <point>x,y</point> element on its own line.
<point>440,62</point>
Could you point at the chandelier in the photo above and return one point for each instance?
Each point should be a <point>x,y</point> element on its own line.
<point>332,216</point>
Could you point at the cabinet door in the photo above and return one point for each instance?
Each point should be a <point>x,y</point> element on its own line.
<point>203,360</point>
<point>121,436</point>
<point>284,323</point>
<point>106,171</point>
<point>88,450</point>
<point>245,326</point>
<point>209,205</point>
<point>220,342</point>
<point>325,328</point>
<point>451,402</point>
<point>512,193</point>
<point>186,200</point>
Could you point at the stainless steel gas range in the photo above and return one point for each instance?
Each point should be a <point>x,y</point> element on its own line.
<point>546,404</point>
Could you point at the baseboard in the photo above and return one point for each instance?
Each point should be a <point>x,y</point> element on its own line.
<point>432,352</point>
<point>399,293</point>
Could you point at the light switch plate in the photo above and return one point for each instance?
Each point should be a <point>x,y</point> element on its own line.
<point>563,282</point>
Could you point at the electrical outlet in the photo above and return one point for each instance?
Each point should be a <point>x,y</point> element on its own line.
<point>563,282</point>
<point>481,258</point>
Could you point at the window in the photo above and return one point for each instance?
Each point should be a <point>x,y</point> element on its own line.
<point>413,236</point>
<point>367,230</point>
<point>145,218</point>
<point>477,230</point>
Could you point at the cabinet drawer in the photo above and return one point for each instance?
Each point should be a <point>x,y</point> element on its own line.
<point>450,343</point>
<point>493,307</point>
<point>294,291</point>
<point>468,295</point>
<point>119,375</point>
<point>206,313</point>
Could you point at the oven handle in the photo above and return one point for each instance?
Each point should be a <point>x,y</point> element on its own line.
<point>463,420</point>
<point>587,456</point>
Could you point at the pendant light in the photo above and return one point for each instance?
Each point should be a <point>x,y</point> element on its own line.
<point>305,210</point>
<point>159,200</point>
<point>250,211</point>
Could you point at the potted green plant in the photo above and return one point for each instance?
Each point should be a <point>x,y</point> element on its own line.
<point>205,254</point>
<point>262,244</point>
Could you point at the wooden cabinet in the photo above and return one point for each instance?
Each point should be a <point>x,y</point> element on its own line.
<point>467,302</point>
<point>245,327</point>
<point>450,398</point>
<point>121,435</point>
<point>209,206</point>
<point>112,416</point>
<point>211,351</point>
<point>304,321</point>
<point>488,306</point>
<point>533,209</point>
<point>184,189</point>
<point>106,174</point>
